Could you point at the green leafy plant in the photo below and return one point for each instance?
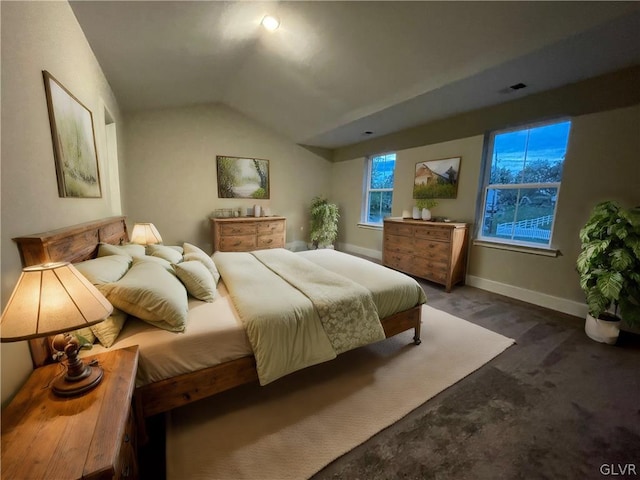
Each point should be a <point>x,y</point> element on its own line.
<point>426,203</point>
<point>609,264</point>
<point>324,222</point>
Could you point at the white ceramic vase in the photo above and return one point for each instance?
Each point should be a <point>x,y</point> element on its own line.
<point>426,214</point>
<point>416,213</point>
<point>603,331</point>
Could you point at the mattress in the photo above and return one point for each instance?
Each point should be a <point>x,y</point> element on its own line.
<point>214,335</point>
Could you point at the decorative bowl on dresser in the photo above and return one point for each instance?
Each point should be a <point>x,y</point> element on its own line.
<point>243,234</point>
<point>435,251</point>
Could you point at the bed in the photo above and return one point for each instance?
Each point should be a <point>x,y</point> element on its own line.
<point>179,368</point>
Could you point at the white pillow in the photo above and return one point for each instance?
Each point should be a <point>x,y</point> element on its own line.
<point>198,280</point>
<point>152,294</point>
<point>191,252</point>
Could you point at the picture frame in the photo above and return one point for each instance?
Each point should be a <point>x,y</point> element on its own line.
<point>243,177</point>
<point>437,178</point>
<point>74,142</point>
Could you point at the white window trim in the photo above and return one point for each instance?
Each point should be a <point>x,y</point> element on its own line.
<point>366,191</point>
<point>510,244</point>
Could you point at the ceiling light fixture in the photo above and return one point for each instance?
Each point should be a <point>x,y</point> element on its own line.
<point>270,22</point>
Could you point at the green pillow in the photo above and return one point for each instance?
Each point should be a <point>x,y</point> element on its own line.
<point>168,253</point>
<point>160,261</point>
<point>151,293</point>
<point>131,249</point>
<point>197,278</point>
<point>104,269</point>
<point>107,331</point>
<point>191,252</point>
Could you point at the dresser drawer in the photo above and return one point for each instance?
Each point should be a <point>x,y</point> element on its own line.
<point>433,233</point>
<point>428,248</point>
<point>238,243</point>
<point>395,243</point>
<point>433,266</point>
<point>237,229</point>
<point>398,261</point>
<point>270,241</point>
<point>270,227</point>
<point>398,229</point>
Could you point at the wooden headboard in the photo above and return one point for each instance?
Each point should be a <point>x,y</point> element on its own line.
<point>69,244</point>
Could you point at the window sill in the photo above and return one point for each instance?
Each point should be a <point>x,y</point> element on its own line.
<point>370,226</point>
<point>547,252</point>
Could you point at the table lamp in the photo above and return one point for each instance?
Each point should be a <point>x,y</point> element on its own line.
<point>50,299</point>
<point>145,234</point>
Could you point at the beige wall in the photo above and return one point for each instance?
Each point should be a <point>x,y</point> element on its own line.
<point>171,171</point>
<point>40,36</point>
<point>601,163</point>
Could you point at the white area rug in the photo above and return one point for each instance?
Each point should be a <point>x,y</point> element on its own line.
<point>295,426</point>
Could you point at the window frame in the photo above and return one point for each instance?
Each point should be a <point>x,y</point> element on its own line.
<point>364,212</point>
<point>486,186</point>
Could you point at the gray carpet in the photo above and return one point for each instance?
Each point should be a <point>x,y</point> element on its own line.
<point>555,406</point>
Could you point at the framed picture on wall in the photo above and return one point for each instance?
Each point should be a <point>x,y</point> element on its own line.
<point>437,178</point>
<point>240,177</point>
<point>74,143</point>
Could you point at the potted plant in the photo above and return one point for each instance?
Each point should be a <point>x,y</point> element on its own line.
<point>425,205</point>
<point>324,222</point>
<point>609,269</point>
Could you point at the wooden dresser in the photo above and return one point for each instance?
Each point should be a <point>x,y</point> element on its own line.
<point>243,234</point>
<point>436,251</point>
<point>91,436</point>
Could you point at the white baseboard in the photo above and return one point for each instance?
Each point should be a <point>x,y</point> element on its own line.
<point>365,252</point>
<point>297,246</point>
<point>530,296</point>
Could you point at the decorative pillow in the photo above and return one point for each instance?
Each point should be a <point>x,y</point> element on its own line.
<point>107,331</point>
<point>197,278</point>
<point>157,260</point>
<point>169,254</point>
<point>191,252</point>
<point>104,269</point>
<point>85,333</point>
<point>152,294</point>
<point>131,249</point>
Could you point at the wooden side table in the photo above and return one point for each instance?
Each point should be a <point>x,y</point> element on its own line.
<point>92,436</point>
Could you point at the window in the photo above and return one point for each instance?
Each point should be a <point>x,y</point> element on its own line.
<point>522,175</point>
<point>378,195</point>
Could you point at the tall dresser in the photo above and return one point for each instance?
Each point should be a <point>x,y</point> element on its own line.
<point>243,234</point>
<point>436,251</point>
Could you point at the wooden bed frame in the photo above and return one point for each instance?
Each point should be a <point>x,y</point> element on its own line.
<point>80,242</point>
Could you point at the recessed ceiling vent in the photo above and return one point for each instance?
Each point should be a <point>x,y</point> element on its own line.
<point>513,88</point>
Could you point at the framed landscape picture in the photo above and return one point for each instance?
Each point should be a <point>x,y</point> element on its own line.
<point>240,177</point>
<point>74,143</point>
<point>437,178</point>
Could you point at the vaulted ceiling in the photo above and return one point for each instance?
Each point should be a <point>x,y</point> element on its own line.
<point>335,70</point>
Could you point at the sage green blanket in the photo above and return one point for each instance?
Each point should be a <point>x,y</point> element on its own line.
<point>296,313</point>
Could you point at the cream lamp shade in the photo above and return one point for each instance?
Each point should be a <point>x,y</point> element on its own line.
<point>145,234</point>
<point>49,299</point>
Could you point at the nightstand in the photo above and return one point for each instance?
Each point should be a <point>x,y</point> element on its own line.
<point>90,437</point>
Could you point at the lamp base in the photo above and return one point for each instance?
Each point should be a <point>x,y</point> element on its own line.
<point>68,387</point>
